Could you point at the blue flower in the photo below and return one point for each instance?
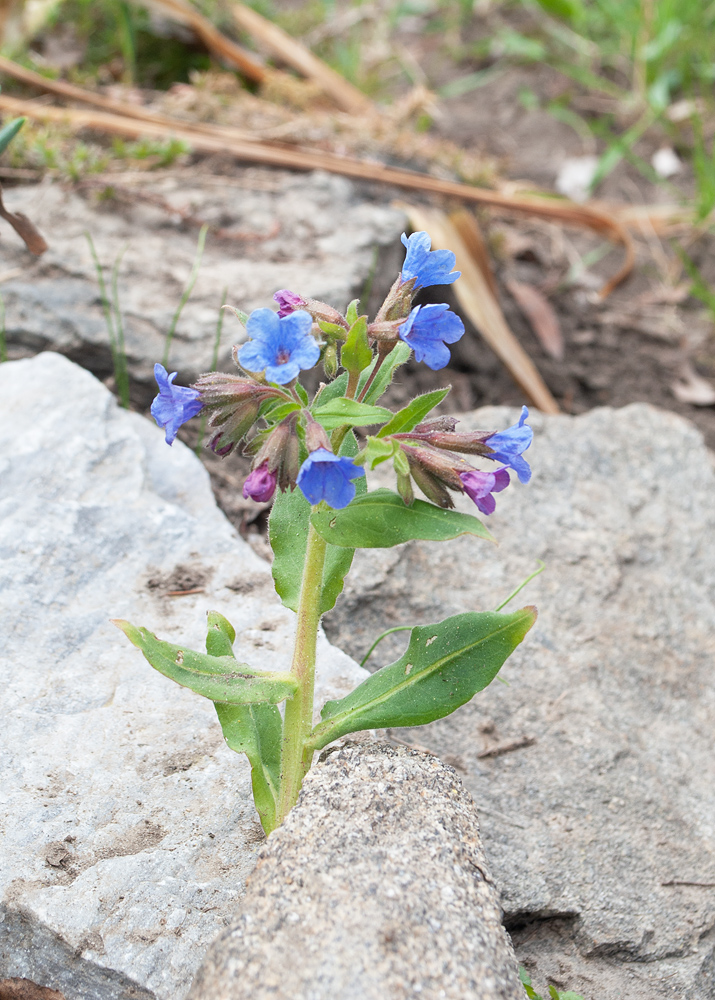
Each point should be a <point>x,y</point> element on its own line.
<point>175,404</point>
<point>324,476</point>
<point>429,267</point>
<point>508,445</point>
<point>280,345</point>
<point>427,329</point>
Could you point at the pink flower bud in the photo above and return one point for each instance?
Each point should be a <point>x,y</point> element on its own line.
<point>260,484</point>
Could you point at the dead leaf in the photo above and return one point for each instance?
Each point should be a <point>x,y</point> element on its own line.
<point>541,316</point>
<point>25,989</point>
<point>693,388</point>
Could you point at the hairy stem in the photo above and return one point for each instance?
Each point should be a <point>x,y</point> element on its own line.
<point>382,351</point>
<point>295,757</point>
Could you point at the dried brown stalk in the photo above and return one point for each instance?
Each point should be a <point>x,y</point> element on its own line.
<point>25,229</point>
<point>478,302</point>
<point>220,139</point>
<point>212,38</point>
<point>296,55</point>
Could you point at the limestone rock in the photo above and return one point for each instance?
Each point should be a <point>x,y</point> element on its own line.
<point>593,772</point>
<point>128,828</point>
<point>308,232</point>
<point>374,888</point>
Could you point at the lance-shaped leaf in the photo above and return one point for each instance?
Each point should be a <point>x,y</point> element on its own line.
<point>381,519</point>
<point>341,411</point>
<point>255,730</point>
<point>288,535</point>
<point>414,413</point>
<point>9,131</point>
<point>356,354</point>
<point>444,666</point>
<point>399,354</point>
<point>220,678</point>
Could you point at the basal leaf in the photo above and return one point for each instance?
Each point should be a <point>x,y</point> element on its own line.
<point>414,413</point>
<point>220,678</point>
<point>444,667</point>
<point>255,730</point>
<point>381,519</point>
<point>342,410</point>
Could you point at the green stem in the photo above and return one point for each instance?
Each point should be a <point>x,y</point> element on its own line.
<point>397,628</point>
<point>296,758</point>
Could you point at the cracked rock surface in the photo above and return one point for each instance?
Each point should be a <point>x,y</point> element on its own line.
<point>593,772</point>
<point>128,827</point>
<point>374,888</point>
<point>309,232</point>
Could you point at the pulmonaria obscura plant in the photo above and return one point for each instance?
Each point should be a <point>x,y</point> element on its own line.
<point>306,453</point>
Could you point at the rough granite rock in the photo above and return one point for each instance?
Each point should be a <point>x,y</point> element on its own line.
<point>127,826</point>
<point>308,232</point>
<point>593,772</point>
<point>374,888</point>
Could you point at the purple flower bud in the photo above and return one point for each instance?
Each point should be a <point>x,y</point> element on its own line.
<point>479,487</point>
<point>288,302</point>
<point>174,405</point>
<point>281,347</point>
<point>260,484</point>
<point>233,403</point>
<point>426,266</point>
<point>324,476</point>
<point>428,329</point>
<point>507,446</point>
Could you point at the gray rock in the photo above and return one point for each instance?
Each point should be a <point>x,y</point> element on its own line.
<point>601,832</point>
<point>128,828</point>
<point>308,232</point>
<point>374,888</point>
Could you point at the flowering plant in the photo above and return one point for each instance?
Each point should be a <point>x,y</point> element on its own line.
<point>307,454</point>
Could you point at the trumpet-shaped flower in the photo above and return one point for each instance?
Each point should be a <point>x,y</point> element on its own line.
<point>175,404</point>
<point>507,446</point>
<point>281,346</point>
<point>325,476</point>
<point>428,329</point>
<point>428,267</point>
<point>479,487</point>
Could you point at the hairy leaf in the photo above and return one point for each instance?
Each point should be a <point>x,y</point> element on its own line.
<point>256,730</point>
<point>444,666</point>
<point>9,131</point>
<point>414,413</point>
<point>342,410</point>
<point>399,354</point>
<point>381,519</point>
<point>356,354</point>
<point>220,678</point>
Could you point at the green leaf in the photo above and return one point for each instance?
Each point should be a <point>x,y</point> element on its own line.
<point>342,410</point>
<point>220,678</point>
<point>356,353</point>
<point>351,313</point>
<point>414,413</point>
<point>399,354</point>
<point>381,519</point>
<point>569,10</point>
<point>301,392</point>
<point>256,730</point>
<point>332,390</point>
<point>279,411</point>
<point>443,667</point>
<point>240,315</point>
<point>288,534</point>
<point>332,329</point>
<point>377,451</point>
<point>9,131</point>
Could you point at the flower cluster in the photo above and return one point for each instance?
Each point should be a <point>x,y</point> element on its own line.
<point>298,444</point>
